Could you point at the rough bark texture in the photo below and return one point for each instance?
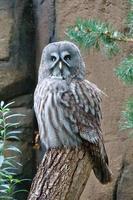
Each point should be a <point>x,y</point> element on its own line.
<point>62,175</point>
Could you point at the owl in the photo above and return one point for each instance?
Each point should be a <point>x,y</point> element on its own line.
<point>67,106</point>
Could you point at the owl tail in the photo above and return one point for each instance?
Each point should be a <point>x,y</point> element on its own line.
<point>103,173</point>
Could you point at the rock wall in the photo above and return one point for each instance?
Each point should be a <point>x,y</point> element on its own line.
<point>20,47</point>
<point>17,56</point>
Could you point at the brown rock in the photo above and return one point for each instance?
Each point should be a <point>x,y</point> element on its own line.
<point>17,73</point>
<point>45,16</point>
<point>6,22</point>
<point>26,120</point>
<point>23,101</point>
<point>124,189</point>
<point>14,82</point>
<point>25,158</point>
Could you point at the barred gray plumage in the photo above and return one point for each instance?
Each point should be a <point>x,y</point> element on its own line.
<point>67,106</point>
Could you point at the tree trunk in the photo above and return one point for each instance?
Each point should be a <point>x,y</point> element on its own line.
<point>62,175</point>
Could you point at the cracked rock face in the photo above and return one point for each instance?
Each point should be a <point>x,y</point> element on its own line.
<point>17,74</point>
<point>16,48</point>
<point>125,181</point>
<point>5,34</point>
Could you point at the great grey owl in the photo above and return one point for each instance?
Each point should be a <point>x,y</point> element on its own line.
<point>67,106</point>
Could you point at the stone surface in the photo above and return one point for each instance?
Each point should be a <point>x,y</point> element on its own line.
<point>26,120</point>
<point>25,127</point>
<point>17,74</point>
<point>6,25</point>
<point>16,48</point>
<point>45,30</point>
<point>14,82</point>
<point>125,181</point>
<point>6,22</point>
<point>23,101</point>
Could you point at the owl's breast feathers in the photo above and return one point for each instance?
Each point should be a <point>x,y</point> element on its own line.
<point>69,114</point>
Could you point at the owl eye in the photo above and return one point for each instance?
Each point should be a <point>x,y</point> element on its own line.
<point>53,58</point>
<point>67,57</point>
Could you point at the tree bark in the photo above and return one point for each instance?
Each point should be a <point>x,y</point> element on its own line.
<point>62,175</point>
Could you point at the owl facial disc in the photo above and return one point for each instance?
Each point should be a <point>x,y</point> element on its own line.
<point>61,60</point>
<point>60,66</point>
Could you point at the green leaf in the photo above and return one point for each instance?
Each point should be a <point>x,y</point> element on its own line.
<point>1,160</point>
<point>93,33</point>
<point>8,163</point>
<point>6,197</point>
<point>5,186</point>
<point>3,191</point>
<point>2,132</point>
<point>10,157</point>
<point>1,146</point>
<point>1,104</point>
<point>127,115</point>
<point>14,115</point>
<point>13,132</point>
<point>3,174</point>
<point>18,191</point>
<point>8,125</point>
<point>18,163</point>
<point>12,137</point>
<point>9,171</point>
<point>13,148</point>
<point>1,121</point>
<point>125,70</point>
<point>7,105</point>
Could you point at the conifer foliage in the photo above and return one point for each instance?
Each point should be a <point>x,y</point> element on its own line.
<point>105,38</point>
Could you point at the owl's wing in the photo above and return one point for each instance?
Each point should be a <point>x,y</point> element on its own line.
<point>85,107</point>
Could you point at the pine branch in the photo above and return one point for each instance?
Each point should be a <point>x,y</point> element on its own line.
<point>129,20</point>
<point>125,70</point>
<point>127,116</point>
<point>93,33</point>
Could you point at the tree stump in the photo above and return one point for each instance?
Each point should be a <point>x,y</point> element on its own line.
<point>62,175</point>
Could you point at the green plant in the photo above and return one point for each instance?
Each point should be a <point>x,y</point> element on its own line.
<point>103,36</point>
<point>94,33</point>
<point>8,164</point>
<point>127,116</point>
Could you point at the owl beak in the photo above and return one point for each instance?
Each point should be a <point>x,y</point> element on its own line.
<point>60,65</point>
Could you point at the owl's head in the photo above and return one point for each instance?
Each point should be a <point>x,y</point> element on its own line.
<point>61,60</point>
